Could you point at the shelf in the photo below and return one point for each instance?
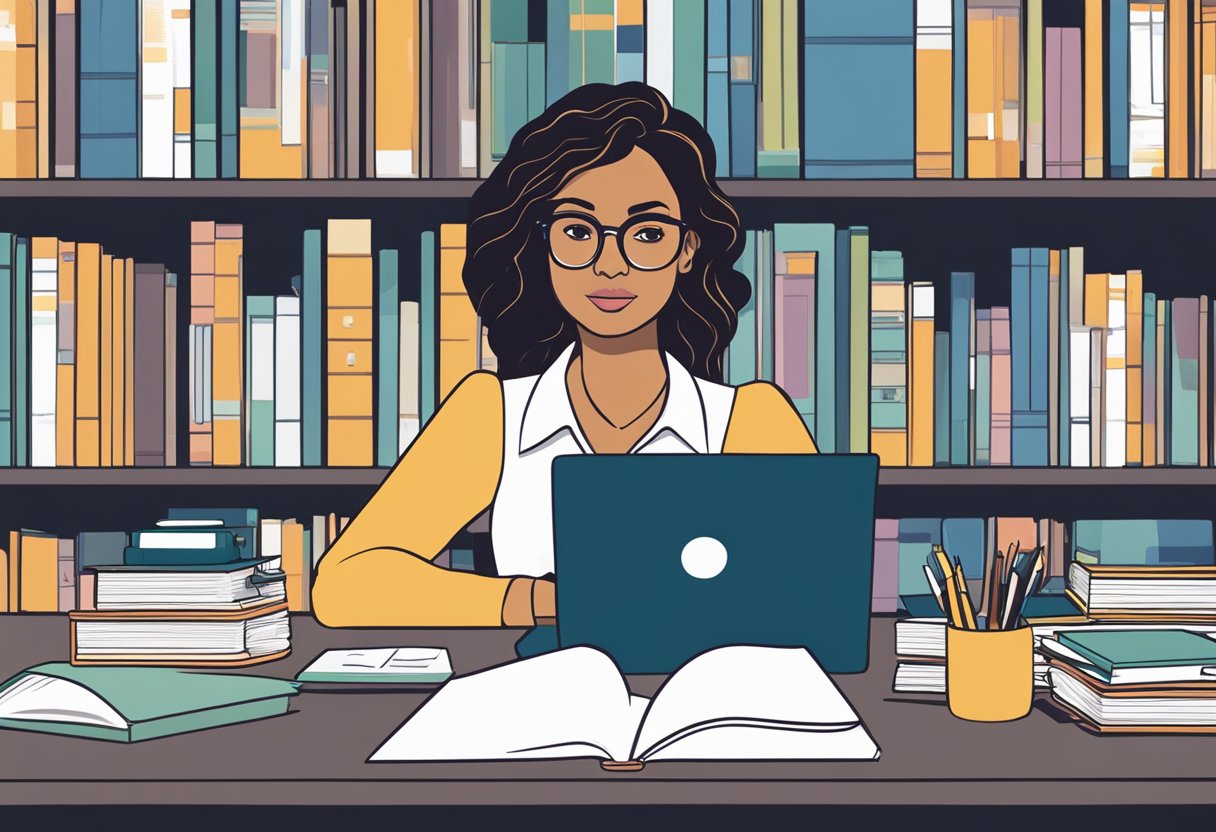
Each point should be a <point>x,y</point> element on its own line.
<point>961,478</point>
<point>737,188</point>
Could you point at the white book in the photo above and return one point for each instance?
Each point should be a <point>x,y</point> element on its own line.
<point>409,369</point>
<point>731,703</point>
<point>44,358</point>
<point>1078,396</point>
<point>1146,91</point>
<point>261,371</point>
<point>319,526</point>
<point>156,150</point>
<point>934,25</point>
<point>291,71</point>
<point>660,55</point>
<point>180,61</point>
<point>270,543</point>
<point>287,350</point>
<point>380,665</point>
<point>1115,421</point>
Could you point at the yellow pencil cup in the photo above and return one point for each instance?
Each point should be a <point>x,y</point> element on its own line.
<point>989,673</point>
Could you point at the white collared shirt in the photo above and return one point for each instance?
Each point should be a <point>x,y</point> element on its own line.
<point>539,424</point>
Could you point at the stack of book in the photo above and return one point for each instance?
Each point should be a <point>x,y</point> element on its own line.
<point>1109,592</point>
<point>1135,681</point>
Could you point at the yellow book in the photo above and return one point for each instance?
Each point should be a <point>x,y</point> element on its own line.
<point>934,91</point>
<point>1177,52</point>
<point>1097,300</point>
<point>106,413</point>
<point>1094,91</point>
<point>297,567</point>
<point>25,113</point>
<point>397,89</point>
<point>227,363</point>
<point>128,443</point>
<point>1135,367</point>
<point>39,572</point>
<point>349,354</point>
<point>778,139</point>
<point>202,321</point>
<point>65,385</point>
<point>88,355</point>
<point>994,107</point>
<point>118,375</point>
<point>920,374</point>
<point>44,88</point>
<point>273,125</point>
<point>459,332</point>
<point>8,88</point>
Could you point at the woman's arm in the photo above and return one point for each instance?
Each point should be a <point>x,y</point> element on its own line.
<point>765,421</point>
<point>378,573</point>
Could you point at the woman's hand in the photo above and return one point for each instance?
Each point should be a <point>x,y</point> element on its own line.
<point>529,601</point>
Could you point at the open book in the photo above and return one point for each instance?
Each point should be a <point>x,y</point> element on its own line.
<point>732,703</point>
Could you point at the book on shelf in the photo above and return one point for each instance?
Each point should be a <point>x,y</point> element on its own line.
<point>727,703</point>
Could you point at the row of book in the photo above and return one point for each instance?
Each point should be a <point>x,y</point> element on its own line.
<point>1080,369</point>
<point>409,88</point>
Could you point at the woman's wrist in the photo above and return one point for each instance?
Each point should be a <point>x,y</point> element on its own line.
<point>517,603</point>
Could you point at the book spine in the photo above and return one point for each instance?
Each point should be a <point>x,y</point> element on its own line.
<point>349,310</point>
<point>259,336</point>
<point>1000,451</point>
<point>1161,391</point>
<point>1178,50</point>
<point>717,83</point>
<point>689,60</point>
<point>44,337</point>
<point>395,31</point>
<point>227,368</point>
<point>941,403</point>
<point>885,594</point>
<point>485,88</point>
<point>1184,389</point>
<point>983,387</point>
<point>743,366</point>
<point>794,321</point>
<point>109,72</point>
<point>181,92</point>
<point>205,89</point>
<point>22,268</point>
<point>921,382</point>
<point>962,379</point>
<point>320,107</point>
<point>106,392</point>
<point>557,42</point>
<point>1063,400</point>
<point>428,321</point>
<point>1097,398</point>
<point>1040,376</point>
<point>765,338</point>
<point>660,54</point>
<point>65,89</point>
<point>630,40</point>
<point>958,160</point>
<point>388,348</point>
<point>66,574</point>
<point>65,404</point>
<point>1117,95</point>
<point>149,366</point>
<point>229,85</point>
<point>1055,263</point>
<point>1034,90</point>
<point>1148,394</point>
<point>1135,368</point>
<point>6,350</point>
<point>170,381</point>
<point>128,419</point>
<point>841,350</point>
<point>445,87</point>
<point>156,91</point>
<point>287,359</point>
<point>741,35</point>
<point>888,359</point>
<point>934,90</point>
<point>408,376</point>
<point>859,340</point>
<point>1146,69</point>
<point>202,320</point>
<point>88,367</point>
<point>311,303</point>
<point>118,369</point>
<point>1205,336</point>
<point>459,332</point>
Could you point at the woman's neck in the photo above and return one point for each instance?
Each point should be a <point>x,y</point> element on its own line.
<point>621,374</point>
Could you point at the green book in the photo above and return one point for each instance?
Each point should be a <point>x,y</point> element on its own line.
<point>741,367</point>
<point>388,312</point>
<point>205,21</point>
<point>821,238</point>
<point>21,352</point>
<point>131,704</point>
<point>310,336</point>
<point>688,70</point>
<point>428,315</point>
<point>1112,651</point>
<point>6,351</point>
<point>259,379</point>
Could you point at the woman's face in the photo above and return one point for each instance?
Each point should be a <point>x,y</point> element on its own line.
<point>609,296</point>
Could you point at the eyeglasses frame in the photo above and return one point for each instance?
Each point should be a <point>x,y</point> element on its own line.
<point>616,231</point>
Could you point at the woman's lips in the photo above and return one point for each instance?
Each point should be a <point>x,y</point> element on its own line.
<point>611,301</point>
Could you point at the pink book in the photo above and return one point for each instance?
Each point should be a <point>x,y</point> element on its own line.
<point>1063,107</point>
<point>886,566</point>
<point>1002,397</point>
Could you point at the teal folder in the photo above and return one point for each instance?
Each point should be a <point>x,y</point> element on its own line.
<point>1111,650</point>
<point>205,82</point>
<point>149,702</point>
<point>311,335</point>
<point>22,266</point>
<point>388,314</point>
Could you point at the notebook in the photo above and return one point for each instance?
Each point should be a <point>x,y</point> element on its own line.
<point>131,704</point>
<point>1138,656</point>
<point>380,665</point>
<point>736,702</point>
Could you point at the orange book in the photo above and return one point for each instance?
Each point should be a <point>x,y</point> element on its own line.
<point>458,327</point>
<point>128,419</point>
<point>349,353</point>
<point>1022,533</point>
<point>8,88</point>
<point>274,113</point>
<point>88,354</point>
<point>297,565</point>
<point>1203,105</point>
<point>118,375</point>
<point>202,321</point>
<point>1097,300</point>
<point>934,96</point>
<point>25,113</point>
<point>227,364</point>
<point>106,420</point>
<point>1177,52</point>
<point>1094,91</point>
<point>1135,367</point>
<point>45,14</point>
<point>920,374</point>
<point>39,572</point>
<point>65,382</point>
<point>396,89</point>
<point>994,106</point>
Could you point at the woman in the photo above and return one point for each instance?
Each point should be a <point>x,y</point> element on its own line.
<point>600,256</point>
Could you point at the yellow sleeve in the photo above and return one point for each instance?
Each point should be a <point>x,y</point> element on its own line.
<point>378,573</point>
<point>765,421</point>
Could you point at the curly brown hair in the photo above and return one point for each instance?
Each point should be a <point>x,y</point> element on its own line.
<point>506,271</point>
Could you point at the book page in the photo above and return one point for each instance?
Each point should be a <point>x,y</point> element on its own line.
<point>776,701</point>
<point>569,703</point>
<point>48,699</point>
<point>393,662</point>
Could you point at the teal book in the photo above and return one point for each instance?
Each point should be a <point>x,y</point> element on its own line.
<point>1152,420</point>
<point>557,49</point>
<point>742,366</point>
<point>888,344</point>
<point>1184,382</point>
<point>1165,420</point>
<point>717,83</point>
<point>765,286</point>
<point>858,71</point>
<point>6,351</point>
<point>1028,360</point>
<point>428,316</point>
<point>917,537</point>
<point>229,85</point>
<point>962,343</point>
<point>983,387</point>
<point>958,156</point>
<point>1143,542</point>
<point>1118,95</point>
<point>857,347</point>
<point>742,35</point>
<point>259,379</point>
<point>688,58</point>
<point>841,347</point>
<point>242,522</point>
<point>388,336</point>
<point>22,274</point>
<point>131,704</point>
<point>109,89</point>
<point>1113,650</point>
<point>205,94</point>
<point>597,47</point>
<point>941,398</point>
<point>821,238</point>
<point>1064,392</point>
<point>311,313</point>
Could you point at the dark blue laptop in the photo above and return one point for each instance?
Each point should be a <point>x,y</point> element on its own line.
<point>659,558</point>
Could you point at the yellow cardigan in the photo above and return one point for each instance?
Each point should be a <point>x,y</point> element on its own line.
<point>378,573</point>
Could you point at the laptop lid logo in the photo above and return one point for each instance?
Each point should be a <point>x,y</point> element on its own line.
<point>703,557</point>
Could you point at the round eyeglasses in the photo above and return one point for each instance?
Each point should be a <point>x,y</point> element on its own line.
<point>648,242</point>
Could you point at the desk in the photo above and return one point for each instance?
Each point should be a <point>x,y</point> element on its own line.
<point>315,755</point>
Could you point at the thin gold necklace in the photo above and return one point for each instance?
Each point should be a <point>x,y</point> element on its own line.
<point>583,378</point>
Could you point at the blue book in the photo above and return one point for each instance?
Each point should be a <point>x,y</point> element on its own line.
<point>858,71</point>
<point>1065,394</point>
<point>1040,373</point>
<point>821,238</point>
<point>109,89</point>
<point>557,48</point>
<point>983,387</point>
<point>688,58</point>
<point>958,156</point>
<point>717,84</point>
<point>630,52</point>
<point>229,85</point>
<point>741,367</point>
<point>204,19</point>
<point>1028,363</point>
<point>388,336</point>
<point>1117,96</point>
<point>311,334</point>
<point>941,398</point>
<point>842,351</point>
<point>6,351</point>
<point>22,268</point>
<point>743,54</point>
<point>962,338</point>
<point>428,311</point>
<point>1143,542</point>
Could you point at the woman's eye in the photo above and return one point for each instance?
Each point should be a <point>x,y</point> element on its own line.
<point>649,235</point>
<point>577,232</point>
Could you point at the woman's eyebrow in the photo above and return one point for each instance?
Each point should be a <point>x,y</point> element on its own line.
<point>584,203</point>
<point>642,206</point>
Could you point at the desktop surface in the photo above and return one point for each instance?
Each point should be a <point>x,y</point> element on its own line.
<point>315,754</point>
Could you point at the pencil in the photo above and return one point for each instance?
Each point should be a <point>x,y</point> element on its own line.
<point>964,596</point>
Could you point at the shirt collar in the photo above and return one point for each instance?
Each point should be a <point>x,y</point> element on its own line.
<point>549,412</point>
